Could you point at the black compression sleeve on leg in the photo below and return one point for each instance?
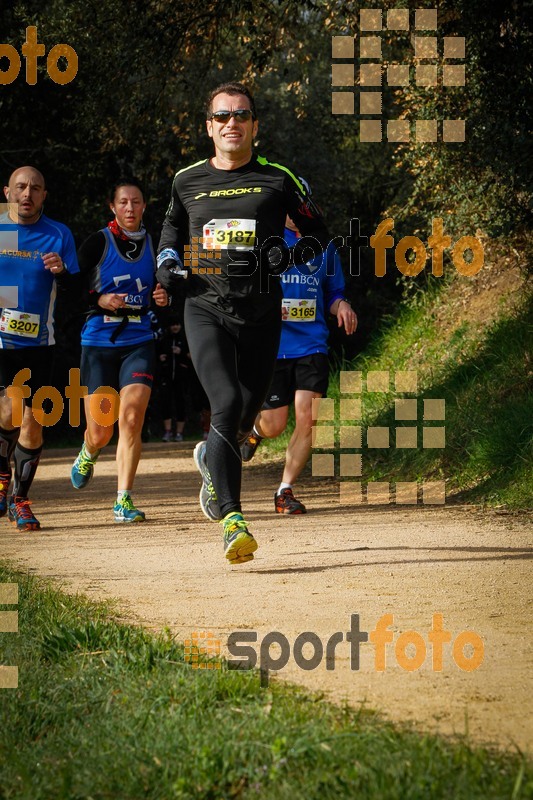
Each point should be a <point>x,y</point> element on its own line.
<point>26,463</point>
<point>225,462</point>
<point>8,440</point>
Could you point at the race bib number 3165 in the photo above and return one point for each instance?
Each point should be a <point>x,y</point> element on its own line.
<point>296,310</point>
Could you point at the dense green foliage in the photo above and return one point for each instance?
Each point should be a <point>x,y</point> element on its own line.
<point>104,710</point>
<point>144,69</point>
<point>137,106</point>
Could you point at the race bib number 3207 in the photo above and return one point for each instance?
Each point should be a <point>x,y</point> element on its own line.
<point>19,323</point>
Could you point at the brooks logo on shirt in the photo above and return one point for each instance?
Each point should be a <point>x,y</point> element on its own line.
<point>233,192</point>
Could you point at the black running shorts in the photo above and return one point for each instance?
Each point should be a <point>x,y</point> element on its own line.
<point>310,373</point>
<point>117,366</point>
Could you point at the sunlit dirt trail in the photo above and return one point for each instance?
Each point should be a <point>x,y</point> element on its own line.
<point>311,573</point>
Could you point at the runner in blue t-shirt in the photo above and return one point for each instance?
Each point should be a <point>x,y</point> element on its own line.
<point>36,255</point>
<point>310,292</point>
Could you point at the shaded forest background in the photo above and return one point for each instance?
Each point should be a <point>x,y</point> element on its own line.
<point>136,106</point>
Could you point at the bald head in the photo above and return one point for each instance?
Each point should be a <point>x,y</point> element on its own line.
<point>33,171</point>
<point>26,194</point>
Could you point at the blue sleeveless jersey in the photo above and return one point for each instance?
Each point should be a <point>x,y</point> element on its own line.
<point>27,289</point>
<point>308,293</point>
<point>119,275</point>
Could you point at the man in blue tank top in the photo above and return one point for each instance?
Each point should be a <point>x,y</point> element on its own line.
<point>36,254</point>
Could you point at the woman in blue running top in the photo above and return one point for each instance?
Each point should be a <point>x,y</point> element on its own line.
<point>118,348</point>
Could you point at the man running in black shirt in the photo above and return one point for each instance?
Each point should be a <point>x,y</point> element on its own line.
<point>226,221</point>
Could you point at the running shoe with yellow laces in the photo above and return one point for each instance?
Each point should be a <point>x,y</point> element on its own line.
<point>125,511</point>
<point>239,544</point>
<point>83,468</point>
<point>20,514</point>
<point>4,486</point>
<point>208,497</point>
<point>286,503</point>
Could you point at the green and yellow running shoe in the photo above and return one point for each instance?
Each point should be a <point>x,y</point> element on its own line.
<point>239,544</point>
<point>125,511</point>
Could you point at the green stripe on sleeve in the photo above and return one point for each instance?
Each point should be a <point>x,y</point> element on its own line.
<point>265,162</point>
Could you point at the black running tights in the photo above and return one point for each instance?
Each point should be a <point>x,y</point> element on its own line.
<point>235,364</point>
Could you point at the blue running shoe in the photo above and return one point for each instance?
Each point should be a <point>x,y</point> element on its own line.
<point>20,514</point>
<point>83,468</point>
<point>4,486</point>
<point>208,498</point>
<point>125,511</point>
<point>239,544</point>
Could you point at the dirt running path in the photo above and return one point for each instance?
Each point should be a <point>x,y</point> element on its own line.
<point>310,574</point>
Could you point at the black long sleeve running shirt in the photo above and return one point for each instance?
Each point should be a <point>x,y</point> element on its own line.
<point>243,212</point>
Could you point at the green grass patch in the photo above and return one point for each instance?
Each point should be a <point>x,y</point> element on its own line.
<point>107,710</point>
<point>484,373</point>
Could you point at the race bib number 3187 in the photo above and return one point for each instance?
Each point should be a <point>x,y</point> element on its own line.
<point>238,234</point>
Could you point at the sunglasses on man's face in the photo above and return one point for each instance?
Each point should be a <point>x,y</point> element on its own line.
<point>240,115</point>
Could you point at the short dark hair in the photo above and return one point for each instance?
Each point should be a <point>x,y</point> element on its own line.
<point>232,88</point>
<point>125,181</point>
